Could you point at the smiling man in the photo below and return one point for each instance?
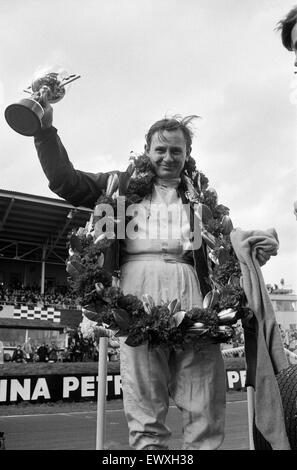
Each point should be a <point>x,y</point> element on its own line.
<point>164,268</point>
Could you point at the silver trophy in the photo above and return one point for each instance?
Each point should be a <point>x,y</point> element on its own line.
<point>25,116</point>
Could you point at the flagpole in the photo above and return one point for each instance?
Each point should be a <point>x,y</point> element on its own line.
<point>101,392</point>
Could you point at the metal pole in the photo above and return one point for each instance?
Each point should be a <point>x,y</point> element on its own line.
<point>25,279</point>
<point>1,356</point>
<point>101,388</point>
<point>251,408</point>
<point>42,270</point>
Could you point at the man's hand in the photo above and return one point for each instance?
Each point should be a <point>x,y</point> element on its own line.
<point>47,119</point>
<point>262,256</point>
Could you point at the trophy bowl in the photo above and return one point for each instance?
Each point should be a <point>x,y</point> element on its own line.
<point>25,116</point>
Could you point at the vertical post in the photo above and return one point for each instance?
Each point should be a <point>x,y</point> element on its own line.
<point>251,408</point>
<point>101,390</point>
<point>1,353</point>
<point>42,269</point>
<point>66,340</point>
<point>25,278</point>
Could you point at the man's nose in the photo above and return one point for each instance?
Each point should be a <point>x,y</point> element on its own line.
<point>168,156</point>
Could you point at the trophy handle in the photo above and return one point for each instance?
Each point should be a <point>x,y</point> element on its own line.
<point>69,79</point>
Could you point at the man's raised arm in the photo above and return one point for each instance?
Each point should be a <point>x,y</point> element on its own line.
<point>77,187</point>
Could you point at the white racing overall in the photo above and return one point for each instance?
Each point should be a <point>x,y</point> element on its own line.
<point>195,380</point>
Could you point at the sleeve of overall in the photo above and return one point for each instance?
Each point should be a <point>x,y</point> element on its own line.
<point>77,187</point>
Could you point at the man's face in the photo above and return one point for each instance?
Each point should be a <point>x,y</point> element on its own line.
<point>168,153</point>
<point>294,42</point>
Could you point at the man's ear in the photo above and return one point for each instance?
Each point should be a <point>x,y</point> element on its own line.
<point>146,149</point>
<point>188,153</point>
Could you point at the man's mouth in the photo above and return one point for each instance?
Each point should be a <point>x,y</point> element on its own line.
<point>167,167</point>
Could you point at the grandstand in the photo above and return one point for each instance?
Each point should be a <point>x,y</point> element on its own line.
<point>33,236</point>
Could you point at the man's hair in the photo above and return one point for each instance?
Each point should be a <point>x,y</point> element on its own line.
<point>285,26</point>
<point>172,124</point>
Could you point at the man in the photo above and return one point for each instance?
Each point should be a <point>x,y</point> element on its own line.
<point>42,352</point>
<point>288,28</point>
<point>53,353</point>
<point>27,348</point>
<point>196,379</point>
<point>18,355</point>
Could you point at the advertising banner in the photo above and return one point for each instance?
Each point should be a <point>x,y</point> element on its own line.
<point>35,389</point>
<point>78,387</point>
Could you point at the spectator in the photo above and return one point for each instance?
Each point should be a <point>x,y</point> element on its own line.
<point>18,355</point>
<point>27,348</point>
<point>35,357</point>
<point>67,355</point>
<point>42,352</point>
<point>113,349</point>
<point>293,343</point>
<point>77,351</point>
<point>53,353</point>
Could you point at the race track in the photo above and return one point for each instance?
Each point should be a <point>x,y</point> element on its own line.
<point>77,430</point>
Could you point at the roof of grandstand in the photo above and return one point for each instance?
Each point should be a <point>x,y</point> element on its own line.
<point>31,225</point>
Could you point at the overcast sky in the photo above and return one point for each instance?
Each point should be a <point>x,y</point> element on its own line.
<point>140,60</point>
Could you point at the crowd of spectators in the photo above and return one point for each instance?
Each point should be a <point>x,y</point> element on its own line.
<point>79,349</point>
<point>278,289</point>
<point>59,297</point>
<point>289,337</point>
<point>31,353</point>
<point>63,297</point>
<point>236,341</point>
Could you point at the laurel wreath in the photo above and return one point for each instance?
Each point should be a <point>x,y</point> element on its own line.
<point>103,302</point>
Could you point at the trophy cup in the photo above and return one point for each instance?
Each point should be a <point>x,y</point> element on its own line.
<point>25,116</point>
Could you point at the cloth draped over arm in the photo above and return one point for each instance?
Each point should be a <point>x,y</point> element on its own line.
<point>265,355</point>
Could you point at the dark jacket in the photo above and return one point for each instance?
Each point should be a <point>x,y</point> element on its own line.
<point>81,188</point>
<point>18,355</point>
<point>42,352</point>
